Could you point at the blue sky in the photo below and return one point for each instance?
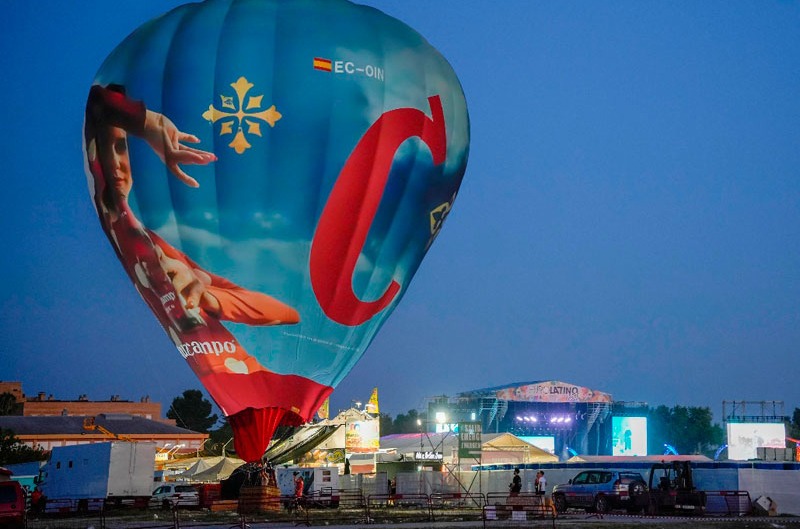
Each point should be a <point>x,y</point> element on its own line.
<point>629,219</point>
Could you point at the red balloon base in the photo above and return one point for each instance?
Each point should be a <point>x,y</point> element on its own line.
<point>257,403</point>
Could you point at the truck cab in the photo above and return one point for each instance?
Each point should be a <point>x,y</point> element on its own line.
<point>671,489</point>
<point>12,505</point>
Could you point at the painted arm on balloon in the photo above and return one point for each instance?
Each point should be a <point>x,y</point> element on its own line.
<point>168,142</point>
<point>109,106</point>
<point>219,297</point>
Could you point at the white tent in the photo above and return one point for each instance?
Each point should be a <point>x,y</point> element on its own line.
<point>210,469</point>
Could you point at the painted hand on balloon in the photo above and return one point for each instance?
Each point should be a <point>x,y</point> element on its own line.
<point>168,142</point>
<point>191,283</point>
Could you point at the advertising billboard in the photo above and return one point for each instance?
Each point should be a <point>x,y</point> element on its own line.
<point>629,436</point>
<point>745,437</point>
<point>362,436</point>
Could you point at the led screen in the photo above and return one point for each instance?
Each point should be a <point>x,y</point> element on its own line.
<point>745,437</point>
<point>545,442</point>
<point>629,436</point>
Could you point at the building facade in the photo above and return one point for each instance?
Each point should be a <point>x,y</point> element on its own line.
<point>47,433</point>
<point>42,421</point>
<point>44,405</point>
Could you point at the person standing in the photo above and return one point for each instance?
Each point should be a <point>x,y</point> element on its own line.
<point>516,483</point>
<point>37,501</point>
<point>541,483</point>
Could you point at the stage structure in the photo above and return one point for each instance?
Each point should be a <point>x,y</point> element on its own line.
<point>552,415</point>
<point>756,430</point>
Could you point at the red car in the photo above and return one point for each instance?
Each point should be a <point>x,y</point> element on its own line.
<point>12,504</point>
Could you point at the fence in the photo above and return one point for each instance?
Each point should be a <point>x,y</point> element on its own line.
<point>331,507</point>
<point>522,507</point>
<point>456,506</point>
<point>728,503</point>
<point>399,508</point>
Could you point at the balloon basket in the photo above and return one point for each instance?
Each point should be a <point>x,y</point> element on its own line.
<point>260,498</point>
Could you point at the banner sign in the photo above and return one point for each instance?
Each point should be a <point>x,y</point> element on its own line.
<point>469,439</point>
<point>428,456</point>
<point>552,391</point>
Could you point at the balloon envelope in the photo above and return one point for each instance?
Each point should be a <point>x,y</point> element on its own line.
<point>339,140</point>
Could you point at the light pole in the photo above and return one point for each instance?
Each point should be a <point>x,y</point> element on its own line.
<point>419,427</point>
<point>201,446</point>
<point>226,444</point>
<point>175,449</point>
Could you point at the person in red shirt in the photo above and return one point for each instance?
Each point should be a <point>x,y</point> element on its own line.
<point>299,485</point>
<point>37,501</point>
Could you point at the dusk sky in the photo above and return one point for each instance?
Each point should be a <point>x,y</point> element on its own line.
<point>629,219</point>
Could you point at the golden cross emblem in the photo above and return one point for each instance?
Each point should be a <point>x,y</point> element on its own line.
<point>241,114</point>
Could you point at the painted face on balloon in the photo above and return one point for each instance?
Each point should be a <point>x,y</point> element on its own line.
<point>116,165</point>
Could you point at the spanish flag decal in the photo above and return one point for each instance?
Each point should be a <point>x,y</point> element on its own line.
<point>322,64</point>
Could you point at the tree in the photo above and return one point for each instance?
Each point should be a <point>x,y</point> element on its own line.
<point>218,438</point>
<point>8,404</point>
<point>12,450</point>
<point>407,423</point>
<point>386,424</point>
<point>793,427</point>
<point>689,429</point>
<point>192,411</point>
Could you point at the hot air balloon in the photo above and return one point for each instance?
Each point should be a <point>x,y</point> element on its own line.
<point>270,174</point>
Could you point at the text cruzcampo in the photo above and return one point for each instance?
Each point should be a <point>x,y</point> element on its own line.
<point>206,348</point>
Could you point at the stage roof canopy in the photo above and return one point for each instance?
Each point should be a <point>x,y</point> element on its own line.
<point>541,391</point>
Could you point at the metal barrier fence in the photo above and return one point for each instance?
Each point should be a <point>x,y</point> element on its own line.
<point>457,506</point>
<point>342,506</point>
<point>522,508</point>
<point>399,508</point>
<point>728,503</point>
<point>317,509</point>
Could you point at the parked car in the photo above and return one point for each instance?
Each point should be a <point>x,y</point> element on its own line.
<point>601,490</point>
<point>171,495</point>
<point>12,504</point>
